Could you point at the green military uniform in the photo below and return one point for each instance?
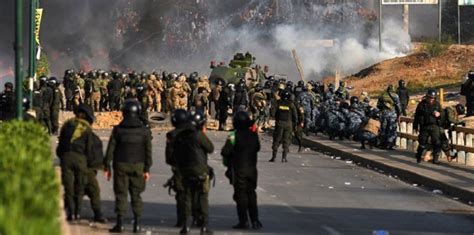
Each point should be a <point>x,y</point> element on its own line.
<point>95,96</point>
<point>92,189</point>
<point>240,157</point>
<point>73,148</point>
<point>58,104</point>
<point>286,118</point>
<point>131,152</point>
<point>189,157</point>
<point>429,127</point>
<point>451,120</point>
<point>299,128</point>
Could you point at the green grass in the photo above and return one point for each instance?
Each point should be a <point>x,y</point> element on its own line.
<point>29,189</point>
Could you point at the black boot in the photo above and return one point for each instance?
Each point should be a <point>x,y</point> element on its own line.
<point>419,152</point>
<point>136,225</point>
<point>100,219</point>
<point>118,228</point>
<point>69,217</point>
<point>241,225</point>
<point>184,230</point>
<point>257,224</point>
<point>436,158</point>
<point>205,230</point>
<point>362,144</point>
<point>274,154</point>
<point>283,156</point>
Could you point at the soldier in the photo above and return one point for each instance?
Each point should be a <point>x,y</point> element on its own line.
<point>179,98</point>
<point>370,130</point>
<point>115,90</point>
<point>37,103</point>
<point>178,119</point>
<point>259,107</point>
<point>47,94</point>
<point>73,150</point>
<point>190,149</point>
<point>225,104</point>
<point>156,88</point>
<point>286,119</point>
<point>341,92</point>
<point>104,94</point>
<point>142,98</point>
<point>428,117</point>
<point>451,120</point>
<point>354,118</point>
<point>403,96</point>
<point>201,100</point>
<point>57,105</point>
<point>389,105</point>
<point>69,87</point>
<point>467,89</point>
<point>241,99</point>
<point>95,93</point>
<point>215,93</point>
<point>306,102</point>
<point>79,93</point>
<point>130,150</point>
<point>7,102</point>
<point>330,94</point>
<point>240,157</point>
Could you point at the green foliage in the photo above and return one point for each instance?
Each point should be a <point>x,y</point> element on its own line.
<point>42,67</point>
<point>435,48</point>
<point>29,189</point>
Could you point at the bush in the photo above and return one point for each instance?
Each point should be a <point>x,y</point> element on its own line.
<point>435,48</point>
<point>29,189</point>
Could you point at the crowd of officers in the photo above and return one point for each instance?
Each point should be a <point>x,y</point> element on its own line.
<point>128,159</point>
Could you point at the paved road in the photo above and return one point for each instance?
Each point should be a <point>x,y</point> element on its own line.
<point>312,194</point>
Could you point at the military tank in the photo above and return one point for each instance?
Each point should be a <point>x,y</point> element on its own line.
<point>240,67</point>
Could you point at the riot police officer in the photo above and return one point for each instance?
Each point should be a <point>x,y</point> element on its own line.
<point>73,150</point>
<point>403,96</point>
<point>130,150</point>
<point>428,120</point>
<point>189,156</point>
<point>7,109</point>
<point>47,94</point>
<point>57,105</point>
<point>179,118</point>
<point>467,89</point>
<point>286,119</point>
<point>240,157</point>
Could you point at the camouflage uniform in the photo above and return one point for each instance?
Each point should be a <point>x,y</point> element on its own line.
<point>390,107</point>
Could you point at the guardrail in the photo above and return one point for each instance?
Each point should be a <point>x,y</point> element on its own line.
<point>462,140</point>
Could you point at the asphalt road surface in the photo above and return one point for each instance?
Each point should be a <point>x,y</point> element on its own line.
<point>311,194</point>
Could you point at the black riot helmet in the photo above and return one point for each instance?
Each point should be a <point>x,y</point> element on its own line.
<point>9,85</point>
<point>87,110</point>
<point>241,120</point>
<point>131,108</point>
<point>342,84</point>
<point>460,109</point>
<point>431,93</point>
<point>53,81</point>
<point>25,103</point>
<point>179,117</point>
<point>354,100</point>
<point>197,119</point>
<point>470,75</point>
<point>43,80</point>
<point>285,94</point>
<point>401,83</point>
<point>301,83</point>
<point>289,84</point>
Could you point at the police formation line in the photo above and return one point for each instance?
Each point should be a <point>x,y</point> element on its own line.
<point>128,160</point>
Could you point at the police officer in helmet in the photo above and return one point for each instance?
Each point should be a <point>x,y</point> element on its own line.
<point>130,150</point>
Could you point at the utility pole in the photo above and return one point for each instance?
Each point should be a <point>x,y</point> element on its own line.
<point>32,51</point>
<point>459,24</point>
<point>406,18</point>
<point>440,20</point>
<point>19,58</point>
<point>380,25</point>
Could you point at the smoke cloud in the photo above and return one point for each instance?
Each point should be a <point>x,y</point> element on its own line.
<point>185,35</point>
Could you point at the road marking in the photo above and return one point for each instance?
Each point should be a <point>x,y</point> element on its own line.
<point>331,231</point>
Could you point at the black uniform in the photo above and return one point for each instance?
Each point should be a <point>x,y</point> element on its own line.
<point>240,156</point>
<point>224,103</point>
<point>404,97</point>
<point>467,90</point>
<point>47,95</point>
<point>286,119</point>
<point>7,105</point>
<point>429,127</point>
<point>56,106</point>
<point>189,157</point>
<point>115,90</point>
